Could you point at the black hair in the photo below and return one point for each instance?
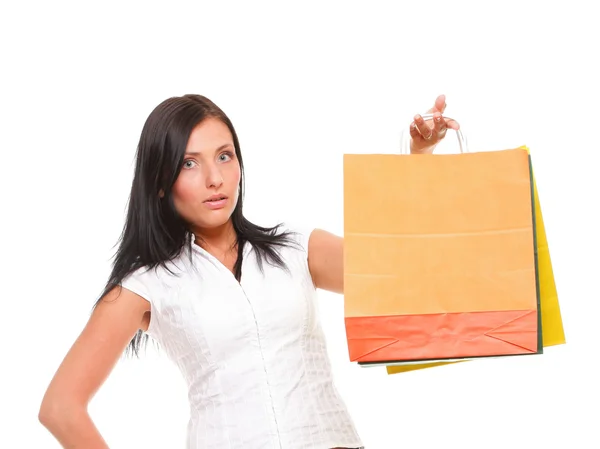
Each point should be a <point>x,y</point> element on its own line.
<point>154,233</point>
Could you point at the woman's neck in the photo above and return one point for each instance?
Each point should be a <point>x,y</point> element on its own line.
<point>219,240</point>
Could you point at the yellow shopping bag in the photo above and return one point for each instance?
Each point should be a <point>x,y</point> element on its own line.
<point>553,332</point>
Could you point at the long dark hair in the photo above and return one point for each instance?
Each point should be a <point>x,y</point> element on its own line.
<point>154,233</point>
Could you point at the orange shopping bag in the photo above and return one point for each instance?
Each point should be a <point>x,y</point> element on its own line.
<point>551,319</point>
<point>440,257</point>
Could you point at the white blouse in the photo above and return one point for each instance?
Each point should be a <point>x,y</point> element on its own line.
<point>253,353</point>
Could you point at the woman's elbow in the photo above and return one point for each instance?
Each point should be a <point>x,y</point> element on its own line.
<point>58,412</point>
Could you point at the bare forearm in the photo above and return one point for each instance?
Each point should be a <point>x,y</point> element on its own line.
<point>75,430</point>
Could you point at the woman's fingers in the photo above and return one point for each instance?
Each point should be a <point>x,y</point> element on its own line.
<point>439,105</point>
<point>414,132</point>
<point>452,124</point>
<point>439,126</point>
<point>423,128</point>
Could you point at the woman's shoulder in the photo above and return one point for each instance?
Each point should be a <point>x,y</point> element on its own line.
<point>298,233</point>
<point>152,279</point>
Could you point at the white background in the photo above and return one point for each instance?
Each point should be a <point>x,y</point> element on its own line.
<point>303,83</point>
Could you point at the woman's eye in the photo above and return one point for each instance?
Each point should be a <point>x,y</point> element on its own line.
<point>188,164</point>
<point>224,157</point>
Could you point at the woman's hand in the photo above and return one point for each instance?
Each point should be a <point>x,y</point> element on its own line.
<point>425,135</point>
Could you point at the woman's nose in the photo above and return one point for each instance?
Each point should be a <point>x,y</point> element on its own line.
<point>214,178</point>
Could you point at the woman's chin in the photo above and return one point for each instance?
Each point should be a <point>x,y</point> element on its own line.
<point>216,219</point>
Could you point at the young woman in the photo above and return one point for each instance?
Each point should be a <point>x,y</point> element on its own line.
<point>232,303</point>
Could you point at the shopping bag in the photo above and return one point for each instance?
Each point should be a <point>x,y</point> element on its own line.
<point>552,325</point>
<point>439,257</point>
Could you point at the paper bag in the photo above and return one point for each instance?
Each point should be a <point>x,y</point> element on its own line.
<point>552,325</point>
<point>440,257</point>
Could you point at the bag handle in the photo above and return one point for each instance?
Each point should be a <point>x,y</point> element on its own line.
<point>405,145</point>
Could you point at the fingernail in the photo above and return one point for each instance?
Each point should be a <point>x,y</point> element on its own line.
<point>438,118</point>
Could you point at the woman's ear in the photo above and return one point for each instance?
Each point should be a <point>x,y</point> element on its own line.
<point>161,193</point>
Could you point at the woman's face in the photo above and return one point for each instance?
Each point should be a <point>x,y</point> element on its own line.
<point>210,171</point>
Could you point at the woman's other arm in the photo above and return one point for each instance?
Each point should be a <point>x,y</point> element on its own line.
<point>326,260</point>
<point>87,365</point>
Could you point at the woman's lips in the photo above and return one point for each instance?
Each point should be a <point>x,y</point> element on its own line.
<point>216,204</point>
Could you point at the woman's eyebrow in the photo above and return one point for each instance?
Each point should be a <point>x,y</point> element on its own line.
<point>196,153</point>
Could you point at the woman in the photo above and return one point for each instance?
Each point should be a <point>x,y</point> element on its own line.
<point>232,303</point>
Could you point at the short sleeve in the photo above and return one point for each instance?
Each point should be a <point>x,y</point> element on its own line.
<point>298,255</point>
<point>140,282</point>
<point>145,283</point>
<point>301,235</point>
